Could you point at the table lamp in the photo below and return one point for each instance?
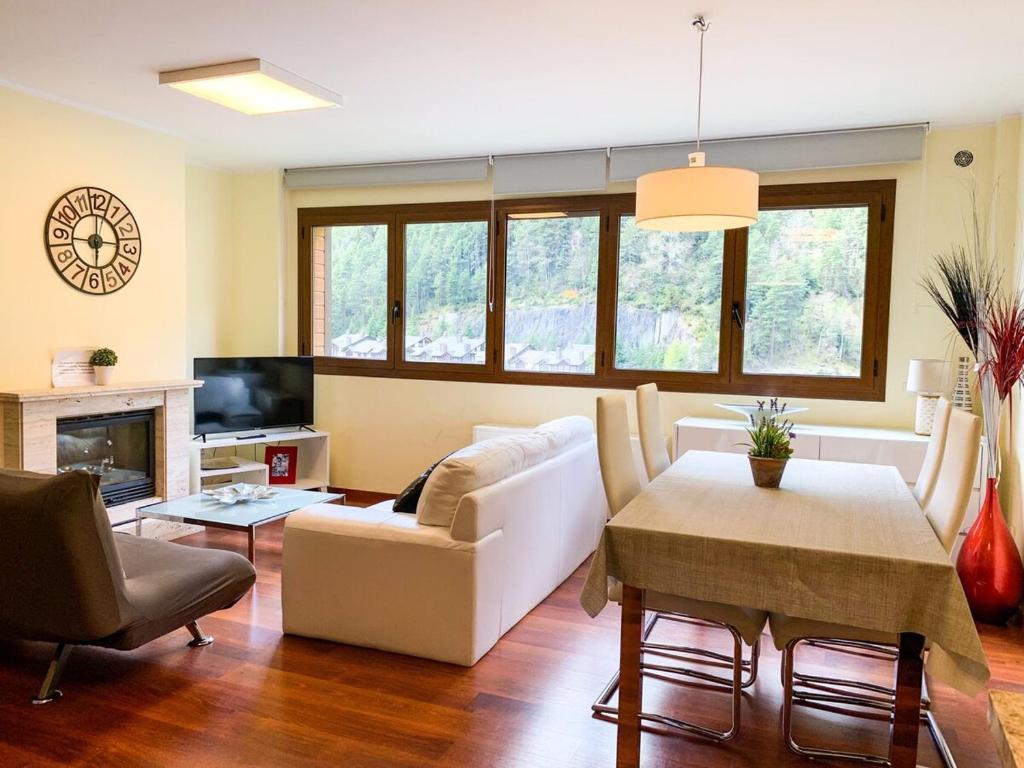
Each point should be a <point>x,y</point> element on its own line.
<point>927,378</point>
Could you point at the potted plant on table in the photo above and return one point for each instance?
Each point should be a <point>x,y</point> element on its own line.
<point>769,449</point>
<point>103,361</point>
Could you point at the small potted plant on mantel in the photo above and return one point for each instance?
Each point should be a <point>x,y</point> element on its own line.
<point>769,449</point>
<point>103,361</point>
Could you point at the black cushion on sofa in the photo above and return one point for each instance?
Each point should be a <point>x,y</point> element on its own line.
<point>409,498</point>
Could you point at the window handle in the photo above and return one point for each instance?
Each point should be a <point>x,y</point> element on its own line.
<point>737,317</point>
<point>396,311</point>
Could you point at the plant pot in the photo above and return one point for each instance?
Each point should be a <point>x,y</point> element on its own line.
<point>104,374</point>
<point>989,564</point>
<point>767,472</point>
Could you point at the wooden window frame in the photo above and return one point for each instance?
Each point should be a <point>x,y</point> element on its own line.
<point>878,196</point>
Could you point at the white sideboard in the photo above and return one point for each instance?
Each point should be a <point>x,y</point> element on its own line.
<point>901,449</point>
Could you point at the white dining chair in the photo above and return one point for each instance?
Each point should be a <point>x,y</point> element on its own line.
<point>933,456</point>
<point>945,511</point>
<point>621,484</point>
<point>648,421</point>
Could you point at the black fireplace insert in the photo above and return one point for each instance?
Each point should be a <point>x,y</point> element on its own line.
<point>118,447</point>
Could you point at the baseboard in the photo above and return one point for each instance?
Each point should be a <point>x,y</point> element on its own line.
<point>357,498</point>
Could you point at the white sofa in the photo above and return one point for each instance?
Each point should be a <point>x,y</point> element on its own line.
<point>500,524</point>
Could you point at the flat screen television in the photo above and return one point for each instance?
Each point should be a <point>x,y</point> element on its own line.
<point>240,394</point>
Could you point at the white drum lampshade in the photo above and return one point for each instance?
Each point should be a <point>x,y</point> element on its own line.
<point>699,198</point>
<point>927,379</point>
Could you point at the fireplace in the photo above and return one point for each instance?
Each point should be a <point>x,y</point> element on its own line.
<point>118,447</point>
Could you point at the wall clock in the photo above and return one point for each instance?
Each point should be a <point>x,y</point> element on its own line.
<point>93,240</point>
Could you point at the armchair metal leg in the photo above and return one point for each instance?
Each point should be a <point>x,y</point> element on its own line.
<point>199,639</point>
<point>48,692</point>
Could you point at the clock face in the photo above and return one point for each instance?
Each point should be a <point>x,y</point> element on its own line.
<point>93,240</point>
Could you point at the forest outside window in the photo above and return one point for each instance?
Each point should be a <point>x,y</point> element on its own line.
<point>550,291</point>
<point>668,299</point>
<point>354,300</point>
<point>570,291</point>
<point>445,288</point>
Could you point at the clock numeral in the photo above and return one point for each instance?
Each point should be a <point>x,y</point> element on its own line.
<point>116,210</point>
<point>60,234</point>
<point>127,227</point>
<point>82,202</point>
<point>110,278</point>
<point>100,200</point>
<point>64,255</point>
<point>125,268</point>
<point>67,214</point>
<point>129,250</point>
<point>94,282</point>
<point>78,269</point>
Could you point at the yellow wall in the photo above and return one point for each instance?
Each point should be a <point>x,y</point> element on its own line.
<point>257,267</point>
<point>386,431</point>
<point>209,252</point>
<point>47,149</point>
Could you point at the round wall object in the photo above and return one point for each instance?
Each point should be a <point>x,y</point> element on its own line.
<point>963,158</point>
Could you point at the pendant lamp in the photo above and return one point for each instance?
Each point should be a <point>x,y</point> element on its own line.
<point>698,198</point>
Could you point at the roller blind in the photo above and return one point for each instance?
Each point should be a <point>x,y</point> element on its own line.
<point>551,172</point>
<point>833,149</point>
<point>384,174</point>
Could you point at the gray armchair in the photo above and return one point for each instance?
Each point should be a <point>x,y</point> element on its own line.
<point>66,578</point>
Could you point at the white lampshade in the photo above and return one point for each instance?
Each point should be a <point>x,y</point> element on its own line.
<point>927,377</point>
<point>697,199</point>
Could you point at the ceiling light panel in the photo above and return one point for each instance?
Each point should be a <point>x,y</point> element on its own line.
<point>253,87</point>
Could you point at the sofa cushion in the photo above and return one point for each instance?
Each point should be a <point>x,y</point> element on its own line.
<point>476,466</point>
<point>566,432</point>
<point>408,499</point>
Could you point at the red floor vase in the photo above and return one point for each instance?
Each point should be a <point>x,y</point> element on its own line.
<point>989,564</point>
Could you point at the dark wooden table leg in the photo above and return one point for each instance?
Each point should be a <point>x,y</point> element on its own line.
<point>627,753</point>
<point>907,717</point>
<point>252,544</point>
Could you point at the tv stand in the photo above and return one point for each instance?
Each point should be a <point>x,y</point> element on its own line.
<point>314,459</point>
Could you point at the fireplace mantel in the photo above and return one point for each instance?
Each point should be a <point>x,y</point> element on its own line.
<point>28,429</point>
<point>65,393</point>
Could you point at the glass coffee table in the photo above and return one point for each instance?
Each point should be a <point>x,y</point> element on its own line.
<point>200,509</point>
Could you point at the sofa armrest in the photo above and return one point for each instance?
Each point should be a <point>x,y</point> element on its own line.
<point>375,578</point>
<point>474,521</point>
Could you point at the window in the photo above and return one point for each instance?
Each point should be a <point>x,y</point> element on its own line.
<point>805,292</point>
<point>571,291</point>
<point>550,297</point>
<point>668,301</point>
<point>445,268</point>
<point>355,291</point>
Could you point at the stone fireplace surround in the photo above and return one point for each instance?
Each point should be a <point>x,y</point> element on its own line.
<point>28,434</point>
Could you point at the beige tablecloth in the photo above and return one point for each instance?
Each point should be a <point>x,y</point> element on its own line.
<point>843,543</point>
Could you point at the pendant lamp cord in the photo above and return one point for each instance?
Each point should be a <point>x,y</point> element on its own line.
<point>701,26</point>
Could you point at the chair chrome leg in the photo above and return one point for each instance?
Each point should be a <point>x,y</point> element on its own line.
<point>940,741</point>
<point>199,639</point>
<point>788,663</point>
<point>49,691</point>
<point>604,710</point>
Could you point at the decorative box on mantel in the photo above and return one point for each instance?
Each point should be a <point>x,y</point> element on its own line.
<point>136,435</point>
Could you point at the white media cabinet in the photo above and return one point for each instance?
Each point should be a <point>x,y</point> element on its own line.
<point>314,458</point>
<point>860,445</point>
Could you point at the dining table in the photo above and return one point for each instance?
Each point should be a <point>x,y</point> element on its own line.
<point>836,542</point>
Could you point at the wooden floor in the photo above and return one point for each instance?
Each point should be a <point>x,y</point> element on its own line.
<point>258,698</point>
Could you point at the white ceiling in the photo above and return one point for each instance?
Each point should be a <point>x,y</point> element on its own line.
<point>448,78</point>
